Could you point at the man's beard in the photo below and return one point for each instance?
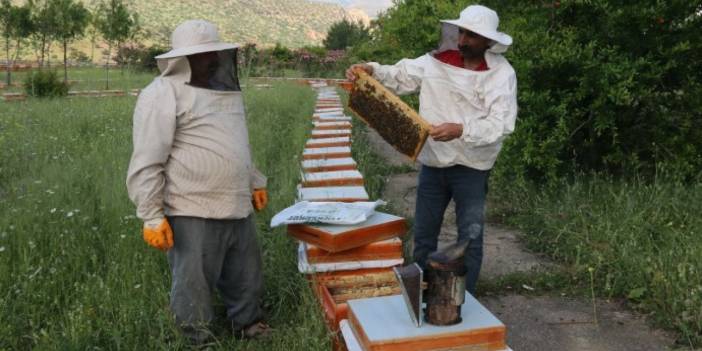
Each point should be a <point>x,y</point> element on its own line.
<point>470,52</point>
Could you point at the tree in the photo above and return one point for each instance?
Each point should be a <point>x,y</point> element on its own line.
<point>344,34</point>
<point>71,20</point>
<point>44,26</point>
<point>116,24</point>
<point>16,24</point>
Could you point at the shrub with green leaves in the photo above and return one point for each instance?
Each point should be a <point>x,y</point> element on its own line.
<point>604,85</point>
<point>45,83</point>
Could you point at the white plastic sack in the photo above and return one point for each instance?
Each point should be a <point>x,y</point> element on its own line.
<point>326,212</point>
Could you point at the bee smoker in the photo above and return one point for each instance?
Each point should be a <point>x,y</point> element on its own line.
<point>446,286</point>
<point>442,286</point>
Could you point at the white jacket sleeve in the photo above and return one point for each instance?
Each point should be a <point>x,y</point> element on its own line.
<point>153,130</point>
<point>258,180</point>
<point>402,78</point>
<point>501,100</point>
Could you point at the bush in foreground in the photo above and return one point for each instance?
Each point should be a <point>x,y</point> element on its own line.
<point>45,84</point>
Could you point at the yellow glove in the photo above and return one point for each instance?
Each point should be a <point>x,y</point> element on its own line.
<point>160,236</point>
<point>259,199</point>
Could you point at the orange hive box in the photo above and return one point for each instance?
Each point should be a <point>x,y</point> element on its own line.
<point>323,125</point>
<point>380,250</point>
<point>335,238</point>
<point>330,133</point>
<point>331,118</point>
<point>328,142</point>
<point>383,324</point>
<point>319,153</point>
<point>328,165</point>
<point>328,109</point>
<point>334,289</point>
<point>334,178</point>
<point>332,194</point>
<point>394,120</point>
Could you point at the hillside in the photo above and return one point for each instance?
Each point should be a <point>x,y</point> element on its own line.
<point>293,23</point>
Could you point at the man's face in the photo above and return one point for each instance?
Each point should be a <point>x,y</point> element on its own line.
<point>204,64</point>
<point>471,44</point>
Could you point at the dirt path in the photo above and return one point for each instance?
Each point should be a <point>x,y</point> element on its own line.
<point>534,323</point>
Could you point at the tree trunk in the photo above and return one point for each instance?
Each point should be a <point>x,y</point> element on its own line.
<point>8,65</point>
<point>48,53</point>
<point>43,50</point>
<point>92,50</point>
<point>65,62</point>
<point>107,67</point>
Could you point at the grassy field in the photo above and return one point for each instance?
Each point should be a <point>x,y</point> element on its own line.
<point>633,239</point>
<point>74,271</point>
<point>88,78</point>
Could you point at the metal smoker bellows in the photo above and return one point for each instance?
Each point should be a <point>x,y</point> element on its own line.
<point>445,286</point>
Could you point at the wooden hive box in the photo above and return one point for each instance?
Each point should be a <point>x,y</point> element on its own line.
<point>334,289</point>
<point>335,238</point>
<point>381,250</point>
<point>350,343</point>
<point>14,96</point>
<point>328,109</point>
<point>334,178</point>
<point>394,120</point>
<point>331,118</point>
<point>333,194</point>
<point>328,142</point>
<point>324,125</point>
<point>320,153</point>
<point>330,133</point>
<point>328,165</point>
<point>383,324</point>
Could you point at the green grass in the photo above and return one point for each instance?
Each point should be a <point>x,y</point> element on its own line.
<point>88,78</point>
<point>74,271</point>
<point>640,239</point>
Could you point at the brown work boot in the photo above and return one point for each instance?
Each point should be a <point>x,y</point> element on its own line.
<point>258,330</point>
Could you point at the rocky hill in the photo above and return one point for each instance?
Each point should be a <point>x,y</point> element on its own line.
<point>293,23</point>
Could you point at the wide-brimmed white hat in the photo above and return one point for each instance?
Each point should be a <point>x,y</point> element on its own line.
<point>481,20</point>
<point>193,37</point>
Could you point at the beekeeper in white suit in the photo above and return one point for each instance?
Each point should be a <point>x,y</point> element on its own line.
<point>193,182</point>
<point>468,92</point>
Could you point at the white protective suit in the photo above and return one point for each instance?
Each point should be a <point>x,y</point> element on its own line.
<point>484,102</point>
<point>191,150</point>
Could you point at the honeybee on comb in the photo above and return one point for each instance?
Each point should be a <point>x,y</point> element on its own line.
<point>396,122</point>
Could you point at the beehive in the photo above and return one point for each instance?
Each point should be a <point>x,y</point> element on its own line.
<point>382,323</point>
<point>328,142</point>
<point>394,120</point>
<point>380,250</point>
<point>335,238</point>
<point>328,165</point>
<point>334,289</point>
<point>320,153</point>
<point>335,178</point>
<point>332,194</point>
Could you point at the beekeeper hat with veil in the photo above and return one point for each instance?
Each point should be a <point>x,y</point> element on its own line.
<point>477,19</point>
<point>195,37</point>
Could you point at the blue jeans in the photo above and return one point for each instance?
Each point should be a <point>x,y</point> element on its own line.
<point>468,188</point>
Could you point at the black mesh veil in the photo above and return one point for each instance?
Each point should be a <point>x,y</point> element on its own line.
<point>225,77</point>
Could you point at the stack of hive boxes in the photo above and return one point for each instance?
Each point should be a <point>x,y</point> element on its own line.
<point>350,266</point>
<point>343,262</point>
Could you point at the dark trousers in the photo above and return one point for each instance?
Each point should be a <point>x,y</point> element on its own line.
<point>468,188</point>
<point>209,254</point>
